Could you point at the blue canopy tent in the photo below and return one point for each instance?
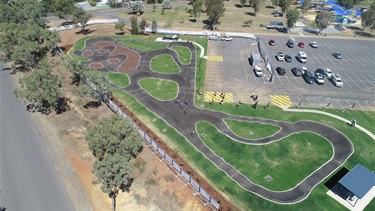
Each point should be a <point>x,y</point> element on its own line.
<point>358,12</point>
<point>339,11</point>
<point>330,2</point>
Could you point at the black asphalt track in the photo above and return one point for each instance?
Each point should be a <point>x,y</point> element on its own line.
<point>174,115</point>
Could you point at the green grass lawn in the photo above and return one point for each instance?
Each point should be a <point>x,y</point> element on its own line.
<point>118,79</point>
<point>142,46</point>
<point>184,54</point>
<point>164,64</point>
<point>159,88</point>
<point>288,161</point>
<point>251,130</point>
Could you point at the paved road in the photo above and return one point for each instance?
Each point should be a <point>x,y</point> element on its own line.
<point>184,122</point>
<point>29,180</point>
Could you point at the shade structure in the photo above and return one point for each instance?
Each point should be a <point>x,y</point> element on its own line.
<point>359,180</point>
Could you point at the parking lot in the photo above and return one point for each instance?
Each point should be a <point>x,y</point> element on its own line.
<point>356,68</point>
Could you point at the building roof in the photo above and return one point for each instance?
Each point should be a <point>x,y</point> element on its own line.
<point>359,180</point>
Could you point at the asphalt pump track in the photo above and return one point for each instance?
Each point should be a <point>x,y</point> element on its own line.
<point>109,55</point>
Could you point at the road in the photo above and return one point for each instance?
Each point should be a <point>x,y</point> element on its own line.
<point>29,180</point>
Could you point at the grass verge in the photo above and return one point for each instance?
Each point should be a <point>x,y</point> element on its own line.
<point>251,130</point>
<point>184,54</point>
<point>118,79</point>
<point>142,46</point>
<point>159,88</point>
<point>164,64</point>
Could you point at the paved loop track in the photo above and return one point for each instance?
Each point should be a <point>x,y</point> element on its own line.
<point>185,123</point>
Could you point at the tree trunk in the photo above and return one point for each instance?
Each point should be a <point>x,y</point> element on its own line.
<point>113,203</point>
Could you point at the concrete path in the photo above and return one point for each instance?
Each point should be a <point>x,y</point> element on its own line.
<point>184,122</point>
<point>28,178</point>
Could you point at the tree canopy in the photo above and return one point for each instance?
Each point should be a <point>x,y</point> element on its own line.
<point>197,8</point>
<point>113,135</point>
<point>305,6</point>
<point>81,17</point>
<point>322,20</point>
<point>347,4</point>
<point>41,88</point>
<point>23,12</point>
<point>255,4</point>
<point>292,16</point>
<point>368,19</point>
<point>215,10</point>
<point>114,174</point>
<point>285,4</point>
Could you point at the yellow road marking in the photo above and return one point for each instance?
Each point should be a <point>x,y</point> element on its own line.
<point>215,58</point>
<point>218,97</point>
<point>282,101</point>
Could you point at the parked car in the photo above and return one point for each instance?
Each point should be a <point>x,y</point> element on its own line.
<point>336,80</point>
<point>258,71</point>
<point>301,44</point>
<point>280,71</point>
<point>321,71</point>
<point>319,78</point>
<point>337,55</point>
<point>280,56</point>
<point>213,37</point>
<point>297,71</point>
<point>307,76</point>
<point>226,38</point>
<point>288,58</point>
<point>329,73</point>
<point>314,44</point>
<point>290,43</point>
<point>302,57</point>
<point>271,42</point>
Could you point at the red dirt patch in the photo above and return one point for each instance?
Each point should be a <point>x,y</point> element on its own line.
<point>96,65</point>
<point>103,51</point>
<point>103,44</point>
<point>113,60</point>
<point>87,53</point>
<point>131,63</point>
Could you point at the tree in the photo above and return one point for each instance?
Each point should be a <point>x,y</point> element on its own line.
<point>95,82</point>
<point>113,135</point>
<point>25,44</point>
<point>275,3</point>
<point>322,20</point>
<point>41,88</point>
<point>115,3</point>
<point>134,24</point>
<point>154,27</point>
<point>142,25</point>
<point>114,174</point>
<point>197,8</point>
<point>120,26</point>
<point>347,4</point>
<point>305,6</point>
<point>256,5</point>
<point>214,10</point>
<point>285,4</point>
<point>81,17</point>
<point>368,19</point>
<point>292,16</point>
<point>243,2</point>
<point>23,11</point>
<point>166,4</point>
<point>136,7</point>
<point>63,8</point>
<point>372,5</point>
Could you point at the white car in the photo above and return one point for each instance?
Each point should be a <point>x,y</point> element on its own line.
<point>280,56</point>
<point>329,73</point>
<point>258,71</point>
<point>226,38</point>
<point>314,44</point>
<point>213,37</point>
<point>336,80</point>
<point>319,78</point>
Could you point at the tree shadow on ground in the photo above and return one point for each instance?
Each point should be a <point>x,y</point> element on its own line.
<point>250,13</point>
<point>93,104</point>
<point>336,178</point>
<point>85,31</point>
<point>63,105</point>
<point>364,34</point>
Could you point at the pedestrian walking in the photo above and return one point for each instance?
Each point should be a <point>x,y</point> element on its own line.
<point>186,102</point>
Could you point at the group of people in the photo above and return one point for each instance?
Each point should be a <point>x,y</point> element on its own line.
<point>182,106</point>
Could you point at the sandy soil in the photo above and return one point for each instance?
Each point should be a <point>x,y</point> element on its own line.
<point>63,136</point>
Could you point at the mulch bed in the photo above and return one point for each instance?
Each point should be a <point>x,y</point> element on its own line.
<point>96,65</point>
<point>224,204</point>
<point>131,62</point>
<point>87,53</point>
<point>103,51</point>
<point>113,60</point>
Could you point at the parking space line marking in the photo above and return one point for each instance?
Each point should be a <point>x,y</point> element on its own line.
<point>339,103</point>
<point>352,81</point>
<point>361,81</point>
<point>282,101</point>
<point>215,97</point>
<point>372,79</point>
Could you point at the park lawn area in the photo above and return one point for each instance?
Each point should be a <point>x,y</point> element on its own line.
<point>118,79</point>
<point>159,88</point>
<point>251,130</point>
<point>288,161</point>
<point>164,64</point>
<point>184,54</point>
<point>144,46</point>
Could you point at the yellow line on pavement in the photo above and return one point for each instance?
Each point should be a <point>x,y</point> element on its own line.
<point>282,101</point>
<point>226,97</point>
<point>215,58</point>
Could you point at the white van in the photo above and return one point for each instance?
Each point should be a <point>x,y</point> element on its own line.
<point>213,37</point>
<point>302,57</point>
